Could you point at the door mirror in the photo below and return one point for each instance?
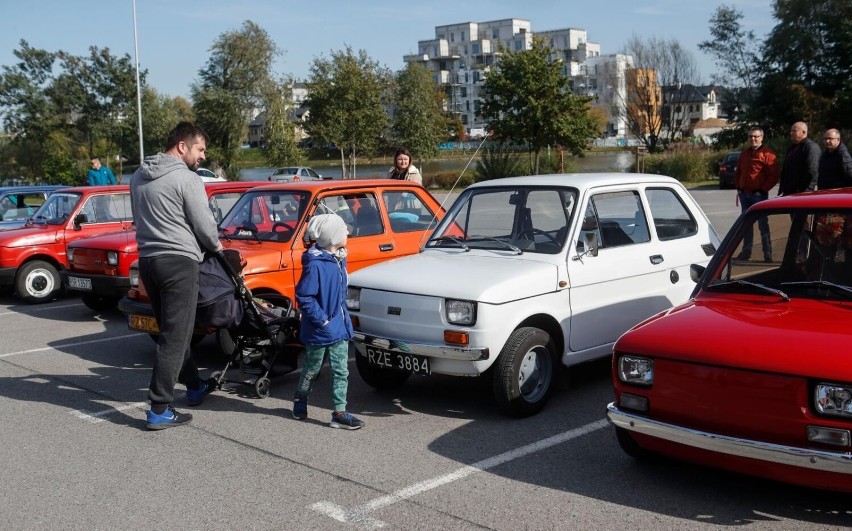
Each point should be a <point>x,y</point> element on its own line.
<point>590,241</point>
<point>79,220</point>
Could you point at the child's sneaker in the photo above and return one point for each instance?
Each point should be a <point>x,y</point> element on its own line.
<point>345,420</point>
<point>300,408</point>
<point>195,397</point>
<point>167,419</point>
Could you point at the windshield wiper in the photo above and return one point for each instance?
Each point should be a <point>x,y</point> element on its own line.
<point>504,243</point>
<point>755,285</point>
<point>442,239</point>
<point>838,288</point>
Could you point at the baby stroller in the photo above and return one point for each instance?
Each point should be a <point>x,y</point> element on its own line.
<point>252,332</point>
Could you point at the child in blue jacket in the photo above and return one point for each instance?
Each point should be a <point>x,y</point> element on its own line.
<point>326,327</point>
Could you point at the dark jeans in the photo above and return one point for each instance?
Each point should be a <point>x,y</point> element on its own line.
<point>172,285</point>
<point>746,201</point>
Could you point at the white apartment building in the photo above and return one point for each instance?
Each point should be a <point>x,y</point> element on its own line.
<point>460,56</point>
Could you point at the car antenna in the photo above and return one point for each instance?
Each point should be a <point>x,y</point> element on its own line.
<point>453,187</point>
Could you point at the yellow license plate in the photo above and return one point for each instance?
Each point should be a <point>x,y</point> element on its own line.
<point>144,323</point>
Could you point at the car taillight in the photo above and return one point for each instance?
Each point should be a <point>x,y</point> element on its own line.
<point>296,178</point>
<point>723,167</point>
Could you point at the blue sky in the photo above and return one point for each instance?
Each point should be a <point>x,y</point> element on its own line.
<point>174,37</point>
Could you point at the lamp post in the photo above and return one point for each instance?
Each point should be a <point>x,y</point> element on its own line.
<point>138,89</point>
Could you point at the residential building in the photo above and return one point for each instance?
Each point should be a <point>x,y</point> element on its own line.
<point>295,93</point>
<point>644,99</point>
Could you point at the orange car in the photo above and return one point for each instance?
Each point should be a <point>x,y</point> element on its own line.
<point>386,219</point>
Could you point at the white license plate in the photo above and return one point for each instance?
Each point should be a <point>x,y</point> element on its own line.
<point>80,283</point>
<point>398,360</point>
<point>143,323</point>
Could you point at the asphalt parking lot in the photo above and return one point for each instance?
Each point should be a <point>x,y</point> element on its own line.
<point>435,454</point>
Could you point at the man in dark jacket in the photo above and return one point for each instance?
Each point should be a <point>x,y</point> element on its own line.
<point>801,165</point>
<point>835,164</point>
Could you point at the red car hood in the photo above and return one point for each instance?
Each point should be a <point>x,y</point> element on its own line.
<point>801,336</point>
<point>37,234</point>
<point>121,241</point>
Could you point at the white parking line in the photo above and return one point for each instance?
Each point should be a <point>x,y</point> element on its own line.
<point>358,516</point>
<point>43,309</point>
<point>95,417</point>
<point>57,347</point>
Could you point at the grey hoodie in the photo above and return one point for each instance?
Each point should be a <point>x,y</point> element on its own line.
<point>170,209</point>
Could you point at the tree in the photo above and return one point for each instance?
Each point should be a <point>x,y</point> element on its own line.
<point>419,121</point>
<point>735,51</point>
<point>230,86</point>
<point>346,95</point>
<point>657,63</point>
<point>527,99</point>
<point>282,147</point>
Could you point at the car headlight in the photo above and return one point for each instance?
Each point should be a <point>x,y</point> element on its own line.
<point>636,370</point>
<point>112,258</point>
<point>134,277</point>
<point>353,298</point>
<point>834,399</point>
<point>69,254</point>
<point>460,312</point>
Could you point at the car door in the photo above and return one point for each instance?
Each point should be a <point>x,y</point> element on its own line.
<point>104,213</point>
<point>626,282</point>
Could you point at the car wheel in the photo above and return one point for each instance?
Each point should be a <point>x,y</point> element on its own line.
<point>630,446</point>
<point>524,374</point>
<point>98,303</point>
<point>378,377</point>
<point>37,282</point>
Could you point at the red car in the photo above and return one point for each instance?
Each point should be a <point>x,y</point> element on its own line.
<point>754,373</point>
<point>32,256</point>
<point>99,267</point>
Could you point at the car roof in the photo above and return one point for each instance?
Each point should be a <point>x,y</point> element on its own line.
<point>339,184</point>
<point>32,188</point>
<point>581,181</point>
<point>103,188</point>
<point>836,198</point>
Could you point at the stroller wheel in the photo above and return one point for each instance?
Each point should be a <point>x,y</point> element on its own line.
<point>217,376</point>
<point>262,387</point>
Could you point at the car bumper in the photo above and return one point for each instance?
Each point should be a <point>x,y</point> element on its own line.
<point>133,307</point>
<point>101,284</point>
<point>422,349</point>
<point>7,275</point>
<point>804,458</point>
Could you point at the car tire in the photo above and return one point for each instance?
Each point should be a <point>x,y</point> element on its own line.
<point>378,377</point>
<point>630,446</point>
<point>99,303</point>
<point>523,379</point>
<point>37,281</point>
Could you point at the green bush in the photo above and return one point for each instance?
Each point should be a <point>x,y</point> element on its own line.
<point>445,180</point>
<point>683,162</point>
<point>498,162</point>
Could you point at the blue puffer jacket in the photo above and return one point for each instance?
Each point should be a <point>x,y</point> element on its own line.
<point>321,294</point>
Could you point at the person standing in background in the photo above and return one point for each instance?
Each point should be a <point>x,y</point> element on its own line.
<point>756,175</point>
<point>98,174</point>
<point>403,169</point>
<point>835,164</point>
<point>801,165</point>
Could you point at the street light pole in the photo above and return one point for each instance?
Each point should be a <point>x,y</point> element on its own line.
<point>138,89</point>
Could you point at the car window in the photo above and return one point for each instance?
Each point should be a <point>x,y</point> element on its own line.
<point>616,219</point>
<point>407,212</point>
<point>220,204</point>
<point>313,174</point>
<point>107,208</point>
<point>359,210</point>
<point>271,215</point>
<point>672,219</point>
<point>57,208</point>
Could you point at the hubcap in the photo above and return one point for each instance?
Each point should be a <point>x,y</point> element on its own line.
<point>39,283</point>
<point>534,374</point>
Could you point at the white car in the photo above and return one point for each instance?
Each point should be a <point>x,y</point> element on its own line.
<point>208,176</point>
<point>524,274</point>
<point>294,174</point>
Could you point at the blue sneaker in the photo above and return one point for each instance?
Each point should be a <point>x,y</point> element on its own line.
<point>195,397</point>
<point>168,419</point>
<point>300,408</point>
<point>347,421</point>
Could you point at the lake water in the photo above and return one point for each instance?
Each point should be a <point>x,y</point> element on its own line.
<point>618,161</point>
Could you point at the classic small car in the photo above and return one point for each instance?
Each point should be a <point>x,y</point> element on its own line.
<point>99,267</point>
<point>386,219</point>
<point>19,203</point>
<point>754,373</point>
<point>528,274</point>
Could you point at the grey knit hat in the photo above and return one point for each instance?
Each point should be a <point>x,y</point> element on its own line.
<point>327,230</point>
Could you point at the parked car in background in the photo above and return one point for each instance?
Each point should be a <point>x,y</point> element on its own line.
<point>19,203</point>
<point>208,176</point>
<point>528,274</point>
<point>32,256</point>
<point>99,267</point>
<point>386,219</point>
<point>754,373</point>
<point>294,174</point>
<point>728,170</point>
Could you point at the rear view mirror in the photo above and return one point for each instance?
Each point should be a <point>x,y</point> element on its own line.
<point>79,220</point>
<point>591,243</point>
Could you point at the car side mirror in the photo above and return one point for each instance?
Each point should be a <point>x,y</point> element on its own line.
<point>589,245</point>
<point>79,220</point>
<point>696,271</point>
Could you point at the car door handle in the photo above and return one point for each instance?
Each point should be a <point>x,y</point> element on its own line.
<point>386,247</point>
<point>656,259</point>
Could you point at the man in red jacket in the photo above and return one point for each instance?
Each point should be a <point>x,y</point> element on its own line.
<point>756,175</point>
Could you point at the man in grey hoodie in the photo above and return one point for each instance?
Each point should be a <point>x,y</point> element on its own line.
<point>174,226</point>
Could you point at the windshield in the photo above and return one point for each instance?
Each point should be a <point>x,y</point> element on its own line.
<point>265,216</point>
<point>533,220</point>
<point>802,253</point>
<point>57,208</point>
